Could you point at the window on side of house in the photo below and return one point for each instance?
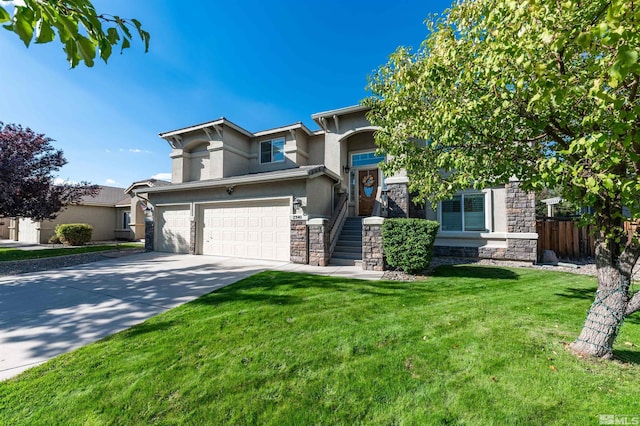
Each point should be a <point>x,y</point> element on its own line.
<point>272,151</point>
<point>126,220</point>
<point>465,212</point>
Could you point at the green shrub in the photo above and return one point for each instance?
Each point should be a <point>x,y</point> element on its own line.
<point>408,243</point>
<point>74,234</point>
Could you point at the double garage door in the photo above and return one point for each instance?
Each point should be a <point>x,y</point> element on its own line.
<point>252,229</point>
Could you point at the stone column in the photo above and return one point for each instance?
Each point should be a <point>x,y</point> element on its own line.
<point>318,242</point>
<point>299,242</point>
<point>398,196</point>
<point>148,231</point>
<point>522,239</point>
<point>193,230</point>
<point>372,250</point>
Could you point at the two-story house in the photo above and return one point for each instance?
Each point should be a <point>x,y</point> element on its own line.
<point>286,193</point>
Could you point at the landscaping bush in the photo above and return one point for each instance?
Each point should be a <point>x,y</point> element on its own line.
<point>408,243</point>
<point>74,234</point>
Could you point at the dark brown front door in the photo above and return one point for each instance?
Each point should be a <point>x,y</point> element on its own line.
<point>367,188</point>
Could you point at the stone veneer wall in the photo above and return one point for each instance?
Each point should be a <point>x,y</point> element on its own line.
<point>193,230</point>
<point>299,242</point>
<point>372,250</point>
<point>521,218</point>
<point>398,199</point>
<point>318,242</point>
<point>148,232</point>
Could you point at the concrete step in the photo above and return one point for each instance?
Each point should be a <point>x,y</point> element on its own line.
<point>349,243</point>
<point>345,262</point>
<point>347,255</point>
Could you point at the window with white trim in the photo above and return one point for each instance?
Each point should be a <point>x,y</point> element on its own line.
<point>272,151</point>
<point>465,212</point>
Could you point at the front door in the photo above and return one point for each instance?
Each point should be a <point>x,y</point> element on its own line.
<point>367,188</point>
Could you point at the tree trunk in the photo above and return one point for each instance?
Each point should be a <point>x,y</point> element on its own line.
<point>612,304</point>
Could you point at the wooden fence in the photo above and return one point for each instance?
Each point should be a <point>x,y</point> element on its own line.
<point>567,239</point>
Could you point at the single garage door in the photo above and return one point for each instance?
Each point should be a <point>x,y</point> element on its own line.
<point>256,230</point>
<point>174,229</point>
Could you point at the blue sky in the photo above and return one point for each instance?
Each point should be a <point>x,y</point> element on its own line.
<point>261,64</point>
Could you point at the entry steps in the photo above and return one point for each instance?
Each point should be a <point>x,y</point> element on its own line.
<point>348,250</point>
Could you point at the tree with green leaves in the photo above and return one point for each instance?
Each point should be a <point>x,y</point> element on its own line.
<point>82,31</point>
<point>543,90</point>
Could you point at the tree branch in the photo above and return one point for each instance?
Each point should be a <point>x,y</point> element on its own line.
<point>633,305</point>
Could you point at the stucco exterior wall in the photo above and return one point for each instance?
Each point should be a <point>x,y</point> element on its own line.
<point>236,153</point>
<point>315,145</point>
<point>103,220</point>
<point>319,197</point>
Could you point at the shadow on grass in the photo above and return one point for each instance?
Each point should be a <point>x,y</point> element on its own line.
<point>578,293</point>
<point>277,288</point>
<point>625,355</point>
<point>478,272</point>
<point>147,327</point>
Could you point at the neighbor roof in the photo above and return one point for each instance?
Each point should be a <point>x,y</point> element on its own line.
<point>107,196</point>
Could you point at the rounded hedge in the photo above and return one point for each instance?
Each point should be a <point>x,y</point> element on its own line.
<point>74,234</point>
<point>408,243</point>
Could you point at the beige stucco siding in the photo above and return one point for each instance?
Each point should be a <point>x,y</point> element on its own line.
<point>319,199</point>
<point>315,148</point>
<point>102,219</point>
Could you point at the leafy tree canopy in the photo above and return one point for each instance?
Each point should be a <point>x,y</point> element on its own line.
<point>27,161</point>
<point>543,90</point>
<point>82,31</point>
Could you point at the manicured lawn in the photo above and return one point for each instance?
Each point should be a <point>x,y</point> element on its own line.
<point>9,254</point>
<point>472,345</point>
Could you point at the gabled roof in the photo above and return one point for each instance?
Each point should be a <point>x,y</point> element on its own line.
<point>107,196</point>
<point>224,121</point>
<point>294,126</point>
<point>218,122</point>
<point>340,111</point>
<point>151,183</point>
<point>252,178</point>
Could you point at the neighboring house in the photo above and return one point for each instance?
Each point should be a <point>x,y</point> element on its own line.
<point>108,213</point>
<point>4,227</point>
<point>285,194</point>
<point>136,210</point>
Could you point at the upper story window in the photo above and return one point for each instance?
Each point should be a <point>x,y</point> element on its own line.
<point>465,212</point>
<point>272,151</point>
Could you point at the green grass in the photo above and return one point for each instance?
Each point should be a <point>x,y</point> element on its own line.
<point>471,345</point>
<point>10,254</point>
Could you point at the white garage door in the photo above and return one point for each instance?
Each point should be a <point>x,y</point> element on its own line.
<point>174,229</point>
<point>256,229</point>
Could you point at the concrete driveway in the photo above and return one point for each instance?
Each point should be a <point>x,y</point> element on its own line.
<point>48,313</point>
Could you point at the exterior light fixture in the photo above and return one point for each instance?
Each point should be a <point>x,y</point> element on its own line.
<point>346,169</point>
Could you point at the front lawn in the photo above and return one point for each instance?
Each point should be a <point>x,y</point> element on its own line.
<point>10,254</point>
<point>472,345</point>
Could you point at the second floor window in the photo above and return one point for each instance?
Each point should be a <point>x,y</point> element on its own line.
<point>272,151</point>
